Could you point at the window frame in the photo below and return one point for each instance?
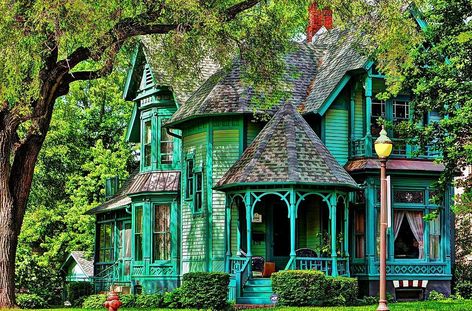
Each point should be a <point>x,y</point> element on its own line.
<point>147,118</point>
<point>166,233</point>
<point>111,247</point>
<point>161,120</point>
<point>197,202</point>
<point>190,158</point>
<point>136,235</point>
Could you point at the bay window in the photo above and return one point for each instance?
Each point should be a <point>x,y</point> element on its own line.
<point>161,233</point>
<point>435,238</point>
<point>138,234</point>
<point>359,232</point>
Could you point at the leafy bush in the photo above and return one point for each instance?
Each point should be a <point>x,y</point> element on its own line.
<point>76,291</point>
<point>30,301</point>
<point>204,290</point>
<point>33,277</point>
<point>436,296</point>
<point>173,299</point>
<point>463,271</point>
<point>341,291</point>
<point>464,289</point>
<point>149,300</point>
<point>94,301</point>
<point>367,301</point>
<point>299,288</point>
<point>127,300</point>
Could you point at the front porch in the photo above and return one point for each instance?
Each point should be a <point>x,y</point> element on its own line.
<point>290,228</point>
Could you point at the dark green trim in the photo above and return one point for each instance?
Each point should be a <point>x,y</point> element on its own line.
<point>288,184</point>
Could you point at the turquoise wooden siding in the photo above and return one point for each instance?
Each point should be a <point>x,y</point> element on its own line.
<point>194,232</point>
<point>358,131</point>
<point>336,134</point>
<point>234,231</point>
<point>225,154</point>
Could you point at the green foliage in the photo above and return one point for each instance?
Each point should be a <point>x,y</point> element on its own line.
<point>94,301</point>
<point>341,291</point>
<point>30,301</point>
<point>35,278</point>
<point>207,290</point>
<point>149,300</point>
<point>313,288</point>
<point>299,288</point>
<point>435,296</point>
<point>464,289</point>
<point>75,292</point>
<point>173,299</point>
<point>128,300</point>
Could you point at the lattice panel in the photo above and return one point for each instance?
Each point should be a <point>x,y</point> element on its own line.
<point>358,269</point>
<point>138,270</point>
<point>414,269</point>
<point>161,271</point>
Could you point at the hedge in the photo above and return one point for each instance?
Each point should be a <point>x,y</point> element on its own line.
<point>341,291</point>
<point>299,287</point>
<point>30,301</point>
<point>313,288</point>
<point>94,301</point>
<point>464,289</point>
<point>204,290</point>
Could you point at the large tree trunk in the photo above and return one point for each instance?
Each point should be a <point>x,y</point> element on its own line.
<point>8,243</point>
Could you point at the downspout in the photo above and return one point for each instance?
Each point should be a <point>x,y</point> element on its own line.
<point>173,134</point>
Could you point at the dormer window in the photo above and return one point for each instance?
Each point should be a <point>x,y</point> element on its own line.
<point>166,144</point>
<point>147,143</point>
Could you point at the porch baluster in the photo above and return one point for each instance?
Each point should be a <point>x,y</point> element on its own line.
<point>293,215</point>
<point>247,204</point>
<point>332,214</point>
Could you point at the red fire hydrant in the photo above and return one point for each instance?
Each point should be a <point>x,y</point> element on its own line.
<point>113,301</point>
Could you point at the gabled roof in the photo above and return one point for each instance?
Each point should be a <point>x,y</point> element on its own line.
<point>84,264</point>
<point>317,71</point>
<point>338,58</point>
<point>287,151</point>
<point>157,181</point>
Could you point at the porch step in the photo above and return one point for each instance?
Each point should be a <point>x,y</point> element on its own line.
<point>256,291</point>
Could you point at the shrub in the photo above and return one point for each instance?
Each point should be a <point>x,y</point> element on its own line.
<point>299,288</point>
<point>435,296</point>
<point>464,289</point>
<point>149,300</point>
<point>75,292</point>
<point>204,290</point>
<point>127,300</point>
<point>341,291</point>
<point>30,301</point>
<point>173,299</point>
<point>94,301</point>
<point>463,271</point>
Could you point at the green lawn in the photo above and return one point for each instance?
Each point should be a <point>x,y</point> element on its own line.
<point>449,305</point>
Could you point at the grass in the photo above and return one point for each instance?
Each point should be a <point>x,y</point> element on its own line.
<point>449,305</point>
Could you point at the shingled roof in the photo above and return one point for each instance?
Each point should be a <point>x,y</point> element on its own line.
<point>287,151</point>
<point>158,181</point>
<point>225,92</point>
<point>314,71</point>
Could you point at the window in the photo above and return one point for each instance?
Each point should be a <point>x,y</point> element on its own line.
<point>408,229</point>
<point>161,233</point>
<point>189,180</point>
<point>138,234</point>
<point>105,232</point>
<point>166,145</point>
<point>359,232</point>
<point>378,111</point>
<point>147,143</point>
<point>198,191</point>
<point>435,238</point>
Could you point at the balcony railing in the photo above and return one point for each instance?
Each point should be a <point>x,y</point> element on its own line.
<point>364,147</point>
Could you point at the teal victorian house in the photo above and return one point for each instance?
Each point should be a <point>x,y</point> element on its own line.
<point>220,190</point>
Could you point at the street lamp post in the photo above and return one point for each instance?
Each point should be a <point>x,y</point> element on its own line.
<point>383,148</point>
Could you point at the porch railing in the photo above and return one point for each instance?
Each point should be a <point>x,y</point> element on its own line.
<point>324,264</point>
<point>240,269</point>
<point>363,147</point>
<point>236,264</point>
<point>105,278</point>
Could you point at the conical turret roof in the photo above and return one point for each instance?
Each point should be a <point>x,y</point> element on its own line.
<point>287,151</point>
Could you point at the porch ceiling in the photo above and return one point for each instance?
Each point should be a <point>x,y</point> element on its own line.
<point>287,151</point>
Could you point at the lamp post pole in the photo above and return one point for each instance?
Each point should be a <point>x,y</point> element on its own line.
<point>383,148</point>
<point>383,233</point>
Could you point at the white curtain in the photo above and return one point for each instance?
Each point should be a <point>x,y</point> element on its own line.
<point>398,218</point>
<point>415,219</point>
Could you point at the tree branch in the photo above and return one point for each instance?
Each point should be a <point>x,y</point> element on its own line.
<point>234,10</point>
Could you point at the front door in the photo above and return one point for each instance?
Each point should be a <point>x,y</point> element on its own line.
<point>125,252</point>
<point>279,234</point>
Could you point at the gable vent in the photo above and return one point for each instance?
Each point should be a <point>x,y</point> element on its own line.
<point>148,76</point>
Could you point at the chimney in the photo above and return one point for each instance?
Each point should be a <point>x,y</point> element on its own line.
<point>317,19</point>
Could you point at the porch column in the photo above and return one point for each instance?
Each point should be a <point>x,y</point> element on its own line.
<point>332,213</point>
<point>368,112</point>
<point>228,235</point>
<point>346,235</point>
<point>293,218</point>
<point>247,204</point>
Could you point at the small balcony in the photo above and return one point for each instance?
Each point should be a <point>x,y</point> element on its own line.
<point>364,147</point>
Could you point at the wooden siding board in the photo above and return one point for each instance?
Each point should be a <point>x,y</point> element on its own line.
<point>336,134</point>
<point>225,154</point>
<point>358,114</point>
